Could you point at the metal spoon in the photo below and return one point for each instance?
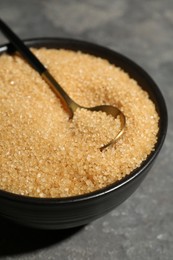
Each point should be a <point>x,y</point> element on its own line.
<point>67,102</point>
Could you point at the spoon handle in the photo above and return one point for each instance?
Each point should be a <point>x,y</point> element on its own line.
<point>21,47</point>
<point>67,102</point>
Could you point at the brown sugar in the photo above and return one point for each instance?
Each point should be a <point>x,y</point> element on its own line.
<point>42,152</point>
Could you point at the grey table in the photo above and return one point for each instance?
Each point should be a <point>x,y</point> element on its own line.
<point>142,227</point>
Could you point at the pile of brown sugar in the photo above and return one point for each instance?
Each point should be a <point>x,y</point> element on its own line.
<point>42,152</point>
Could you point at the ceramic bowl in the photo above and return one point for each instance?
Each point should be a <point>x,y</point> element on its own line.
<point>61,213</point>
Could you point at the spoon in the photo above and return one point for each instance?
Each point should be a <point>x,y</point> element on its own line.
<point>69,105</point>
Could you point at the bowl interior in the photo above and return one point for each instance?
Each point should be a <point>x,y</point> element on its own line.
<point>134,71</point>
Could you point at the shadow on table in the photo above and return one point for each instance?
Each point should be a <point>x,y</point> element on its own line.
<point>15,239</point>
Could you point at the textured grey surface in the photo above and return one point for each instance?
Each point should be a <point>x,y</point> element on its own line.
<point>142,227</point>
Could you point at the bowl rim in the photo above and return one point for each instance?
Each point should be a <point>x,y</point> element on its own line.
<point>128,178</point>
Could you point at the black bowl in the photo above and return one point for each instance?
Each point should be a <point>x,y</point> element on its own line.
<point>60,213</point>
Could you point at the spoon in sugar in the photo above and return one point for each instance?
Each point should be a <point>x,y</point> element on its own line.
<point>69,105</point>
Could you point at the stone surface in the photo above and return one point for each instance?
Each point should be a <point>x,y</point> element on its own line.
<point>142,227</point>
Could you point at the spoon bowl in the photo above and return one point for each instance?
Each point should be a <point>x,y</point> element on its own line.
<point>72,106</point>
